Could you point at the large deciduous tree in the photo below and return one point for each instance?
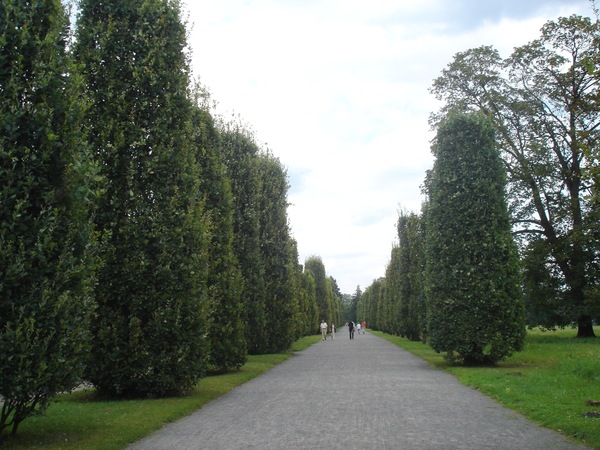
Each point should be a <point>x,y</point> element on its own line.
<point>149,332</point>
<point>46,269</point>
<point>543,101</point>
<point>475,306</point>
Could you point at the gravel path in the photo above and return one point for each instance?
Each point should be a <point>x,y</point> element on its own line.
<point>346,394</point>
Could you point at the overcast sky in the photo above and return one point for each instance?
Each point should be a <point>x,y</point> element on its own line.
<point>338,90</point>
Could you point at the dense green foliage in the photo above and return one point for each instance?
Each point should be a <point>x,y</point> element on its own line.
<point>224,282</point>
<point>193,265</point>
<point>338,311</point>
<point>543,101</point>
<point>240,154</point>
<point>326,293</point>
<point>453,276</point>
<point>314,265</point>
<point>411,307</point>
<point>367,309</point>
<point>543,104</point>
<point>390,302</point>
<point>350,305</point>
<point>191,261</point>
<point>46,241</point>
<point>475,308</point>
<point>309,310</point>
<point>276,254</point>
<point>150,325</point>
<point>273,295</point>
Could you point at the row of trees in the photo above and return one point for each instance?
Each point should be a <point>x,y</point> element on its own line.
<point>455,276</point>
<point>142,242</point>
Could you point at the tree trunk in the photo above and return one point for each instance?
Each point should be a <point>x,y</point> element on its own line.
<point>585,327</point>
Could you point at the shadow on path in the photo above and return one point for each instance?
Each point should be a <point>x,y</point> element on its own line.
<point>364,393</point>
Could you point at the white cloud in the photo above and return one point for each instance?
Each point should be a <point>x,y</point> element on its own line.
<point>339,92</point>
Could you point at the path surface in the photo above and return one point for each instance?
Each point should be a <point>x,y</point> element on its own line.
<point>360,394</point>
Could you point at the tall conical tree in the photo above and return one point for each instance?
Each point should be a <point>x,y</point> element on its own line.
<point>475,305</point>
<point>395,303</point>
<point>296,290</point>
<point>149,330</point>
<point>338,313</point>
<point>412,313</point>
<point>314,265</point>
<point>368,304</point>
<point>543,100</point>
<point>46,272</point>
<point>310,307</point>
<point>276,254</point>
<point>240,155</point>
<point>226,332</point>
<point>353,308</point>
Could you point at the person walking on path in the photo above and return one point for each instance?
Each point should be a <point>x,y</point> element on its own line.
<point>323,330</point>
<point>351,329</point>
<point>332,331</point>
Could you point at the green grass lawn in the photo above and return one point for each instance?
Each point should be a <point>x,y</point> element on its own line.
<point>550,381</point>
<point>78,421</point>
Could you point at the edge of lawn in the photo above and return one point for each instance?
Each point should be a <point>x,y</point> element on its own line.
<point>79,421</point>
<point>549,387</point>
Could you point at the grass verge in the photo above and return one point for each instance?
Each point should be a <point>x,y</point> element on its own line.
<point>551,381</point>
<point>77,421</point>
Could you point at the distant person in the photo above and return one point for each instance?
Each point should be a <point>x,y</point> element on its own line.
<point>364,326</point>
<point>358,327</point>
<point>351,329</point>
<point>332,331</point>
<point>323,330</point>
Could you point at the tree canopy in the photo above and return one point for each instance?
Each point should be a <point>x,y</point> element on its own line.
<point>47,182</point>
<point>149,332</point>
<point>475,309</point>
<point>543,102</point>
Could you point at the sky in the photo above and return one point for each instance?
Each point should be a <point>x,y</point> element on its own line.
<point>338,90</point>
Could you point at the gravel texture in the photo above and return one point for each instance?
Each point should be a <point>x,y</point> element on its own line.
<point>364,393</point>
